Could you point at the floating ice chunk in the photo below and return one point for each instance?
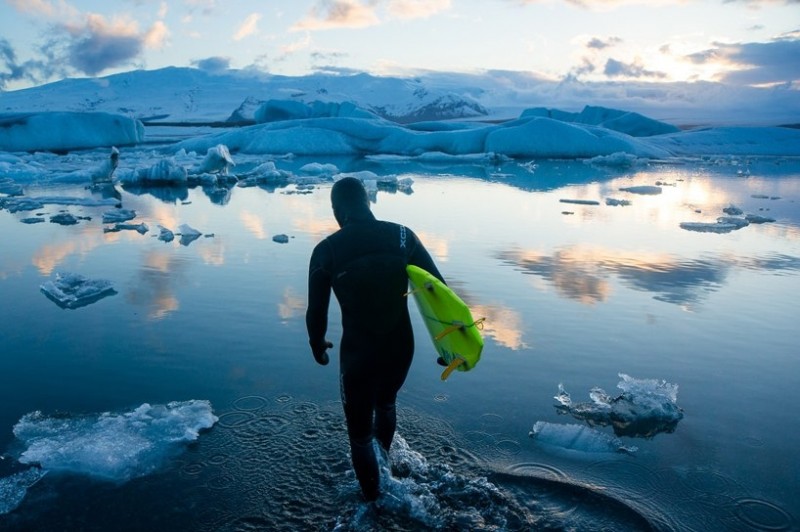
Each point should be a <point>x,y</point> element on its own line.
<point>217,161</point>
<point>733,210</point>
<point>13,488</point>
<point>645,408</point>
<point>105,171</point>
<point>708,227</point>
<point>32,220</point>
<point>617,160</point>
<point>188,234</point>
<point>758,219</point>
<point>141,228</point>
<point>738,222</point>
<point>281,239</point>
<point>647,190</point>
<point>165,235</point>
<point>319,169</point>
<point>164,172</point>
<point>580,201</point>
<point>118,216</point>
<point>64,218</point>
<point>71,290</point>
<point>617,202</point>
<point>112,446</point>
<point>577,438</point>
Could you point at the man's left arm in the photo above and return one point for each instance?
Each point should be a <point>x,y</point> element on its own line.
<point>319,297</point>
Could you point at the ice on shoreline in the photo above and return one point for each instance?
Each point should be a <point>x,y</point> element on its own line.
<point>112,446</point>
<point>580,438</point>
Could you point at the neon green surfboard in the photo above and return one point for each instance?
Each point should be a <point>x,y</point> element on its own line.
<point>455,334</point>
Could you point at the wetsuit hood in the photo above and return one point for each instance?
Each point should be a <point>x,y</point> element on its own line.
<point>350,201</point>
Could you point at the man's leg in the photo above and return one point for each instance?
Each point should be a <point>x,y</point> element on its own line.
<point>358,402</point>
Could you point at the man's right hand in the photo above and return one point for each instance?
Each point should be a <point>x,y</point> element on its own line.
<point>321,353</point>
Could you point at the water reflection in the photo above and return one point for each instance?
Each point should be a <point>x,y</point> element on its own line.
<point>155,284</point>
<point>502,324</point>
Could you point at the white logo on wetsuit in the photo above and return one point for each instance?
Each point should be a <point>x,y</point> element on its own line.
<point>402,236</point>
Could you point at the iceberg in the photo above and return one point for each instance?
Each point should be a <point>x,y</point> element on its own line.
<point>63,131</point>
<point>71,290</point>
<point>577,438</point>
<point>645,407</point>
<point>112,446</point>
<point>165,235</point>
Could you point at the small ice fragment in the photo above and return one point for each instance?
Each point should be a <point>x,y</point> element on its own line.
<point>758,219</point>
<point>738,222</point>
<point>118,215</point>
<point>32,220</point>
<point>188,234</point>
<point>71,290</point>
<point>617,202</point>
<point>165,235</point>
<point>63,218</point>
<point>647,190</point>
<point>580,201</point>
<point>281,239</point>
<point>705,227</point>
<point>733,210</point>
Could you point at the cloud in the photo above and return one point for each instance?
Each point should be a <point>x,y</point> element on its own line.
<point>599,44</point>
<point>330,14</point>
<point>759,3</point>
<point>248,27</point>
<point>98,44</point>
<point>213,64</point>
<point>44,8</point>
<point>756,63</point>
<point>411,9</point>
<point>619,69</point>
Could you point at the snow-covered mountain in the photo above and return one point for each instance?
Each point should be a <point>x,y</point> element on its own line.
<point>179,95</point>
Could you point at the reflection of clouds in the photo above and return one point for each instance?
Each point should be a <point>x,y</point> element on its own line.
<point>502,323</point>
<point>573,272</point>
<point>50,255</point>
<point>292,305</point>
<point>153,287</point>
<point>436,246</point>
<point>213,252</point>
<point>254,224</point>
<point>580,273</point>
<point>165,215</point>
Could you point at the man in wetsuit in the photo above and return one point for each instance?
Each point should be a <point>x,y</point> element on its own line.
<point>364,262</point>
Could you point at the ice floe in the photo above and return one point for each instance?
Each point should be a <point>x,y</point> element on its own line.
<point>645,407</point>
<point>116,447</point>
<point>63,131</point>
<point>13,488</point>
<point>188,234</point>
<point>118,216</point>
<point>72,290</point>
<point>580,438</point>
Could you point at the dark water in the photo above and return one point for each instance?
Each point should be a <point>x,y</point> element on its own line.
<point>573,294</point>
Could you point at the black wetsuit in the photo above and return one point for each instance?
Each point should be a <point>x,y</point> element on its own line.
<point>365,265</point>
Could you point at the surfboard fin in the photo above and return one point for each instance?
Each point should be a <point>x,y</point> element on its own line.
<point>452,367</point>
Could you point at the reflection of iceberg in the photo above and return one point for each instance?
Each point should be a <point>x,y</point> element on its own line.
<point>115,447</point>
<point>645,408</point>
<point>577,438</point>
<point>71,290</point>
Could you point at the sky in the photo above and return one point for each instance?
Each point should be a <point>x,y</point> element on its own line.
<point>739,42</point>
